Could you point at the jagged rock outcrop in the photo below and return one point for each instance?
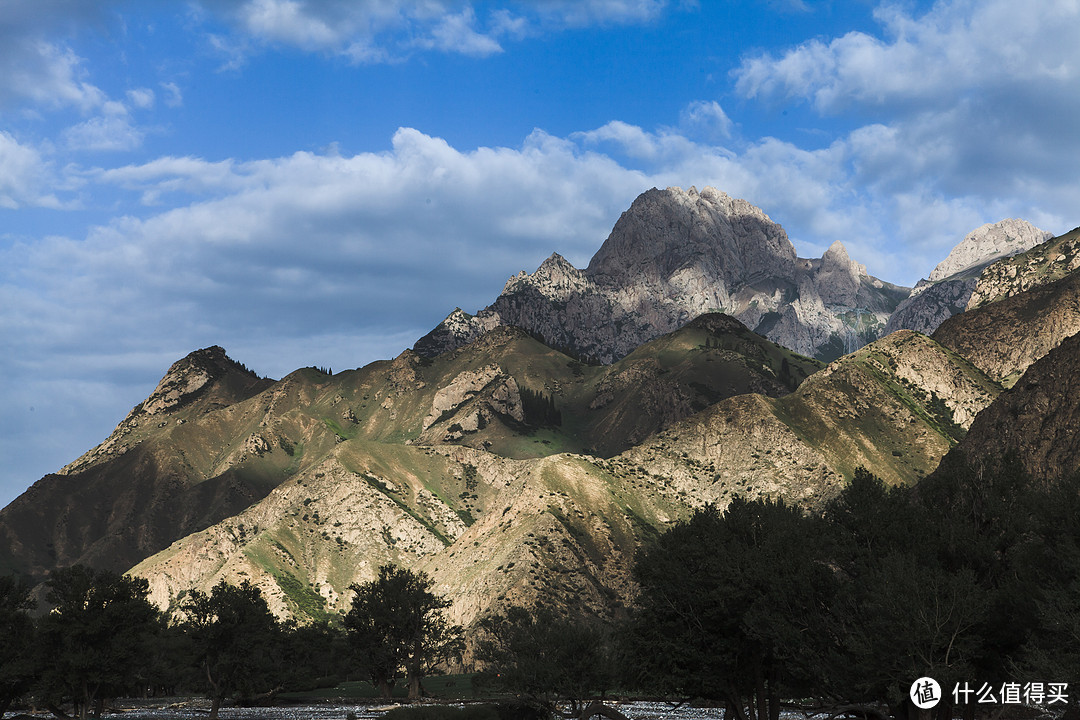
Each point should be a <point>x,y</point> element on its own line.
<point>472,400</point>
<point>1041,265</point>
<point>1022,308</point>
<point>673,256</point>
<point>949,287</point>
<point>931,304</point>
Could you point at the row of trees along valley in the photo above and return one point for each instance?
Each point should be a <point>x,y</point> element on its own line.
<point>971,577</point>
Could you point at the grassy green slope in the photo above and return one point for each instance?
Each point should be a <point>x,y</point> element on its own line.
<point>553,527</point>
<point>895,406</point>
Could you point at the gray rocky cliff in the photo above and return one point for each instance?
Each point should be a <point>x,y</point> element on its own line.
<point>988,243</point>
<point>1043,264</point>
<point>677,254</point>
<point>948,289</point>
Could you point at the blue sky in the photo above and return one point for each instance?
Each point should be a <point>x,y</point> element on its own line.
<point>319,182</point>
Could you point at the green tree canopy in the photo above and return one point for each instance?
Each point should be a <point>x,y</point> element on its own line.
<point>17,638</point>
<point>233,642</point>
<point>96,643</point>
<point>396,625</point>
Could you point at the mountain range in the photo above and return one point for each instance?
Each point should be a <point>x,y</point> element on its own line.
<point>522,454</point>
<point>675,255</point>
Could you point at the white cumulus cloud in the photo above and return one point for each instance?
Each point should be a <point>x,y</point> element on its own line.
<point>957,47</point>
<point>43,73</point>
<point>110,131</point>
<point>970,108</point>
<point>142,98</point>
<point>25,177</point>
<point>388,30</point>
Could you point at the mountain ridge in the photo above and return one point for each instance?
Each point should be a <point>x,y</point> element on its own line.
<point>674,255</point>
<point>213,438</point>
<point>1022,308</point>
<point>562,528</point>
<point>515,473</point>
<point>1035,420</point>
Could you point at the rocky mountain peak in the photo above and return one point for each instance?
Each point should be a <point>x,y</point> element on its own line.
<point>950,286</point>
<point>205,379</point>
<point>836,254</point>
<point>674,255</point>
<point>555,278</point>
<point>838,278</point>
<point>187,376</point>
<point>988,243</point>
<point>665,231</point>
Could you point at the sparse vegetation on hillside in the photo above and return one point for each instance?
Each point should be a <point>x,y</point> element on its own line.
<point>971,574</point>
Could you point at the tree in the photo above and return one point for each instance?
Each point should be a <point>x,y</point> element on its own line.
<point>396,624</point>
<point>233,640</point>
<point>97,640</point>
<point>556,664</point>
<point>539,409</point>
<point>932,581</point>
<point>17,637</point>
<point>1053,648</point>
<point>317,655</point>
<point>733,607</point>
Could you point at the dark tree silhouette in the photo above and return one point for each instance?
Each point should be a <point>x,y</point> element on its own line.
<point>17,638</point>
<point>556,665</point>
<point>733,607</point>
<point>97,641</point>
<point>396,625</point>
<point>233,642</point>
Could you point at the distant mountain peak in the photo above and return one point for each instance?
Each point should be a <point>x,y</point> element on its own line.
<point>987,243</point>
<point>667,230</point>
<point>836,253</point>
<point>675,254</point>
<point>950,286</point>
<point>1042,264</point>
<point>189,375</point>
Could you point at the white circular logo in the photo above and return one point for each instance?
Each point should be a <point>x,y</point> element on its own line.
<point>925,693</point>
